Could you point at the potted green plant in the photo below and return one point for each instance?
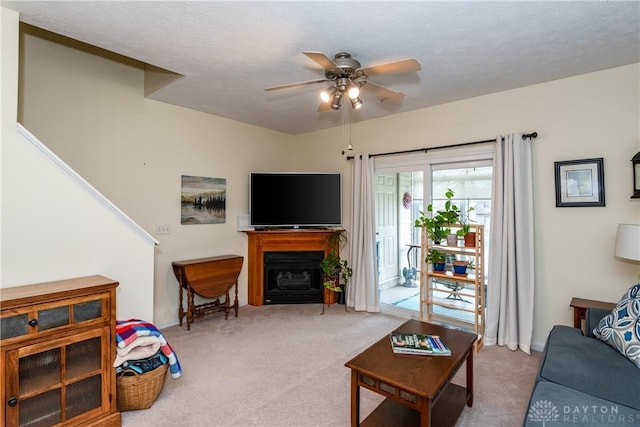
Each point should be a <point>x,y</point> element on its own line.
<point>433,225</point>
<point>437,258</point>
<point>468,236</point>
<point>464,230</point>
<point>451,213</point>
<point>335,270</point>
<point>438,225</point>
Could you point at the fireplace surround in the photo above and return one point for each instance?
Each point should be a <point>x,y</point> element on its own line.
<point>261,242</point>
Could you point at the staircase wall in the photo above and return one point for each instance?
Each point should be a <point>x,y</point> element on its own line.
<point>54,225</point>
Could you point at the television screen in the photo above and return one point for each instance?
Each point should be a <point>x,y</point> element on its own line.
<point>294,200</point>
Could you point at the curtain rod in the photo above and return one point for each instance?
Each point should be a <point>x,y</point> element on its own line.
<point>531,136</point>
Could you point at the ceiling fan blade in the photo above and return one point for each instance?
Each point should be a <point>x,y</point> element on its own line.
<point>324,61</point>
<point>383,94</point>
<point>291,85</point>
<point>396,67</point>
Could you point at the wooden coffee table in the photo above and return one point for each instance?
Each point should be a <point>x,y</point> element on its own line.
<point>417,388</point>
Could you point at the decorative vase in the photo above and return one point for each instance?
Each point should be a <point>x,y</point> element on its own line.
<point>470,239</point>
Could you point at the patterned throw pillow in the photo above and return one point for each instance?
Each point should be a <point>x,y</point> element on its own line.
<point>621,328</point>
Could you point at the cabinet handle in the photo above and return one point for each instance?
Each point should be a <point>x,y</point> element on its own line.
<point>13,401</point>
<point>33,322</point>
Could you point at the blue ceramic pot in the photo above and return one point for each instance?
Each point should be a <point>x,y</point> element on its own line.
<point>460,269</point>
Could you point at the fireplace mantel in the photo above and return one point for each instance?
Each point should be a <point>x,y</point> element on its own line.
<point>279,241</point>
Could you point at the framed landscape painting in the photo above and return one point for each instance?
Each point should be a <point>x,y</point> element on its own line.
<point>203,200</point>
<point>580,182</point>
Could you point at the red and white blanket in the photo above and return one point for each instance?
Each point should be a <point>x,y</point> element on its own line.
<point>132,340</point>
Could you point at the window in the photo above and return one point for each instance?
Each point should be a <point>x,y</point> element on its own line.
<point>412,182</point>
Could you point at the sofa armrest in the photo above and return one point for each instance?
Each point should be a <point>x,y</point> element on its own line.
<point>592,318</point>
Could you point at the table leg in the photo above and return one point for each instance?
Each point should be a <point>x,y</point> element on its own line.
<point>189,308</point>
<point>227,306</point>
<point>355,399</point>
<point>425,412</point>
<point>578,315</point>
<point>235,301</point>
<point>180,310</point>
<point>470,378</point>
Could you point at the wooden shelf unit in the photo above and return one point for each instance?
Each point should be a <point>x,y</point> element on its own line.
<point>465,293</point>
<point>57,346</point>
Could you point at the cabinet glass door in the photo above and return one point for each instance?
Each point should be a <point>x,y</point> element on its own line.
<point>83,363</point>
<point>57,382</point>
<point>40,388</point>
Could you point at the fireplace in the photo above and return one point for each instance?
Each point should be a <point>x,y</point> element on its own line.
<point>262,242</point>
<point>292,277</point>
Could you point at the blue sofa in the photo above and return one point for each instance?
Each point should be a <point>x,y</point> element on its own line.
<point>583,381</point>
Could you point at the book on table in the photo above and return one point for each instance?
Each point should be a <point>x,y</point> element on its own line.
<point>428,345</point>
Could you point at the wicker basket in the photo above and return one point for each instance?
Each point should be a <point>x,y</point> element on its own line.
<point>139,391</point>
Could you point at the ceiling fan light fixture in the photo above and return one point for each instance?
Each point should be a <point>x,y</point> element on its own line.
<point>353,91</point>
<point>336,102</point>
<point>356,103</point>
<point>327,94</point>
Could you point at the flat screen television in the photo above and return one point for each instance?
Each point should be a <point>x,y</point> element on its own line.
<point>295,199</point>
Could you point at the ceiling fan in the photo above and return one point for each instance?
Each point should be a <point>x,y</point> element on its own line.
<point>347,78</point>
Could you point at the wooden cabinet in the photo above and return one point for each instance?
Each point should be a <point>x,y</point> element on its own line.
<point>57,345</point>
<point>454,299</point>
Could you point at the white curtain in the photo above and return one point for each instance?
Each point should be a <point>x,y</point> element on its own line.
<point>511,262</point>
<point>362,292</point>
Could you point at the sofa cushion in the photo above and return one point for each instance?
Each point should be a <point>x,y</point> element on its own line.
<point>560,405</point>
<point>621,328</point>
<point>590,366</point>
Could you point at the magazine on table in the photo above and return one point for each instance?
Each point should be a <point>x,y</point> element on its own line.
<point>428,345</point>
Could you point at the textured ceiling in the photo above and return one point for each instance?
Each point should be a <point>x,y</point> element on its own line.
<point>228,52</point>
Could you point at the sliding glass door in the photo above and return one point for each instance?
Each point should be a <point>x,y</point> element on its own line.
<point>399,198</point>
<point>404,187</point>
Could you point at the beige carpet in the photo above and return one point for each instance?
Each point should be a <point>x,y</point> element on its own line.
<point>283,365</point>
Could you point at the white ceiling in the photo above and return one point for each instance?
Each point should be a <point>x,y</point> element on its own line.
<point>228,52</point>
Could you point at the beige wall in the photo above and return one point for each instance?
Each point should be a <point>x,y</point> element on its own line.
<point>54,225</point>
<point>593,115</point>
<point>8,97</point>
<point>91,111</point>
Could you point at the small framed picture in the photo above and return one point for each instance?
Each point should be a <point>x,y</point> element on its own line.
<point>580,183</point>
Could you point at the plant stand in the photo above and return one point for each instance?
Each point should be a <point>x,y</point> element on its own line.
<point>464,292</point>
<point>331,297</point>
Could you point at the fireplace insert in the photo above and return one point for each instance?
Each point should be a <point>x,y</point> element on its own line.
<point>292,277</point>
